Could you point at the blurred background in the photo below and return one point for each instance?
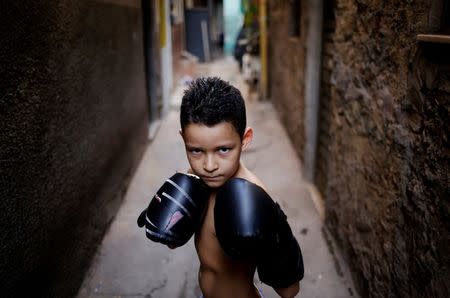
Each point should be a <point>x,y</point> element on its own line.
<point>358,92</point>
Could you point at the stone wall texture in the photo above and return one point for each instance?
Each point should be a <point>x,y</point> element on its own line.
<point>286,69</point>
<point>387,197</point>
<point>387,193</point>
<point>73,119</point>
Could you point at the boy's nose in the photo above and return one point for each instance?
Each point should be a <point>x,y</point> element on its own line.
<point>210,165</point>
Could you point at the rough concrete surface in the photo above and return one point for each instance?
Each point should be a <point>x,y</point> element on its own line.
<point>388,182</point>
<point>73,122</point>
<point>383,150</point>
<point>128,264</point>
<point>287,67</point>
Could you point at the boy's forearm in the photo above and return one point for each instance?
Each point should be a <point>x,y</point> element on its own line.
<point>290,291</point>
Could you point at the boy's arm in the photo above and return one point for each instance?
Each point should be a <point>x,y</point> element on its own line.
<point>290,291</point>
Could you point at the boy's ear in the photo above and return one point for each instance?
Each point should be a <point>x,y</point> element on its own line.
<point>247,138</point>
<point>181,134</point>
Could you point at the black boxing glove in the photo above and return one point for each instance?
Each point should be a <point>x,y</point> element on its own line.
<point>283,264</point>
<point>176,210</point>
<point>251,226</point>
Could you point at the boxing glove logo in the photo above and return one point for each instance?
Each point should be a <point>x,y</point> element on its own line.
<point>176,216</point>
<point>158,198</point>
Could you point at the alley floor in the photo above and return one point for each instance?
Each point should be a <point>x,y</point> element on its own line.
<point>127,264</point>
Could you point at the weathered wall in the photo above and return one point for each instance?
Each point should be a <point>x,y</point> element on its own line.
<point>286,69</point>
<point>177,48</point>
<point>388,185</point>
<point>73,120</point>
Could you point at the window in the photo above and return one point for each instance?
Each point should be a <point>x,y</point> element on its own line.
<point>445,25</point>
<point>438,23</point>
<point>294,20</point>
<point>329,19</point>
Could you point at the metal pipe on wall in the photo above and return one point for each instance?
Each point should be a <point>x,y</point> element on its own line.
<point>312,85</point>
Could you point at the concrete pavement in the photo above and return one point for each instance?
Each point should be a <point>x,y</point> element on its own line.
<point>129,265</point>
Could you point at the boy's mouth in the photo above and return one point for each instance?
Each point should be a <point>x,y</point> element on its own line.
<point>206,178</point>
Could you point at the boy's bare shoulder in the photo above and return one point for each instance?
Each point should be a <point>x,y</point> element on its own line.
<point>246,174</point>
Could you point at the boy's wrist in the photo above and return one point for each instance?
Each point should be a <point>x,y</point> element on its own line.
<point>290,291</point>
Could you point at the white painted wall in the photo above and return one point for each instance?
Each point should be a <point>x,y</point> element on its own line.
<point>233,19</point>
<point>166,61</point>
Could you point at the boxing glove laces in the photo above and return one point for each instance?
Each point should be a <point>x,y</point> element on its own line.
<point>176,210</point>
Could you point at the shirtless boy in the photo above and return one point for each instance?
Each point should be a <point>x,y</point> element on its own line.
<point>230,246</point>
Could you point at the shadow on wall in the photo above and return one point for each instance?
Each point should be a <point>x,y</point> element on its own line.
<point>74,124</point>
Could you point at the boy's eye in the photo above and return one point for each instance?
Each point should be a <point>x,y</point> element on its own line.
<point>224,150</point>
<point>195,151</point>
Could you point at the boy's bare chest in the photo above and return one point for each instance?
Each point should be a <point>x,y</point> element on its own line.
<point>208,248</point>
<point>218,272</point>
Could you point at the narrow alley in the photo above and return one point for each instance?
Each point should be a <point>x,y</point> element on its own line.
<point>127,264</point>
<point>350,105</point>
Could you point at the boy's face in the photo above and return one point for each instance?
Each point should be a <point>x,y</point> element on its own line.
<point>214,152</point>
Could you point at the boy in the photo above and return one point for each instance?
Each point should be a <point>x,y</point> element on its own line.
<point>213,128</point>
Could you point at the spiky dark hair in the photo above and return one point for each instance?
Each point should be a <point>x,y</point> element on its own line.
<point>210,101</point>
